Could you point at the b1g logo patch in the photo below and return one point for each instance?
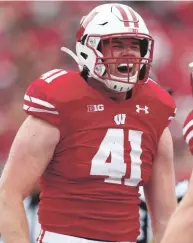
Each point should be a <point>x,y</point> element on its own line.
<point>93,108</point>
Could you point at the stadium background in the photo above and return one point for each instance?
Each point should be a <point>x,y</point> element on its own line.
<point>32,33</point>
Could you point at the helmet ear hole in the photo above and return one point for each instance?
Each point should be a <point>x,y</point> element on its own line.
<point>84,55</point>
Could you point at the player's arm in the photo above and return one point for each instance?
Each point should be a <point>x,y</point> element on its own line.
<point>180,225</point>
<point>160,190</point>
<point>31,151</point>
<point>182,219</point>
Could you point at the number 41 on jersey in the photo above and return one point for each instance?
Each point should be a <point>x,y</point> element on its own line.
<point>113,144</point>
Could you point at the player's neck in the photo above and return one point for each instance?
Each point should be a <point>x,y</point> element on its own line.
<point>119,97</point>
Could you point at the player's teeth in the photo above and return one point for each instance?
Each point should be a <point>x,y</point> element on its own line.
<point>123,68</point>
<point>122,65</point>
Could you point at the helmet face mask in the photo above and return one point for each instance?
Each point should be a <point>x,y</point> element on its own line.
<point>91,50</point>
<point>127,65</point>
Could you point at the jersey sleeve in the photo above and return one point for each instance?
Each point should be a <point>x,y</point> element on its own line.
<point>188,131</point>
<point>38,102</point>
<point>172,113</point>
<point>164,105</point>
<point>167,114</point>
<point>168,110</point>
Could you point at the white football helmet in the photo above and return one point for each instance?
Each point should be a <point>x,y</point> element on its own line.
<point>106,22</point>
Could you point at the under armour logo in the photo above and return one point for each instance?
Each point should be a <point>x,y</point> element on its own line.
<point>145,109</point>
<point>120,119</point>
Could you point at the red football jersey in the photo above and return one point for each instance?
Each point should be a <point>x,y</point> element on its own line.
<point>188,131</point>
<point>106,150</point>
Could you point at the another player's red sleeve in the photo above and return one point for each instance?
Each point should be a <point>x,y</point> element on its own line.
<point>38,102</point>
<point>188,131</point>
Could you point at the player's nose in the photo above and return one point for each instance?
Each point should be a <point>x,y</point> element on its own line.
<point>128,53</point>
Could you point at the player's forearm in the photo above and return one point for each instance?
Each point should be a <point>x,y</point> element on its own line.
<point>158,231</point>
<point>13,222</point>
<point>179,228</point>
<point>160,222</point>
<point>178,232</point>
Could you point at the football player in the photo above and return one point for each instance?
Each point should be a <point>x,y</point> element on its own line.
<point>180,225</point>
<point>92,138</point>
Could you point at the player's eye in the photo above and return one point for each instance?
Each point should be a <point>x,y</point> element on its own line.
<point>136,47</point>
<point>118,46</point>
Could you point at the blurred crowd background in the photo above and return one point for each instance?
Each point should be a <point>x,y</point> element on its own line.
<point>32,33</point>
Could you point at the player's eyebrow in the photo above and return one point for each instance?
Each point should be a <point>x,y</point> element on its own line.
<point>135,41</point>
<point>120,41</point>
<point>117,41</point>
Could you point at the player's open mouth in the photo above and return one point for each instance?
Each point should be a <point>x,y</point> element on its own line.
<point>124,68</point>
